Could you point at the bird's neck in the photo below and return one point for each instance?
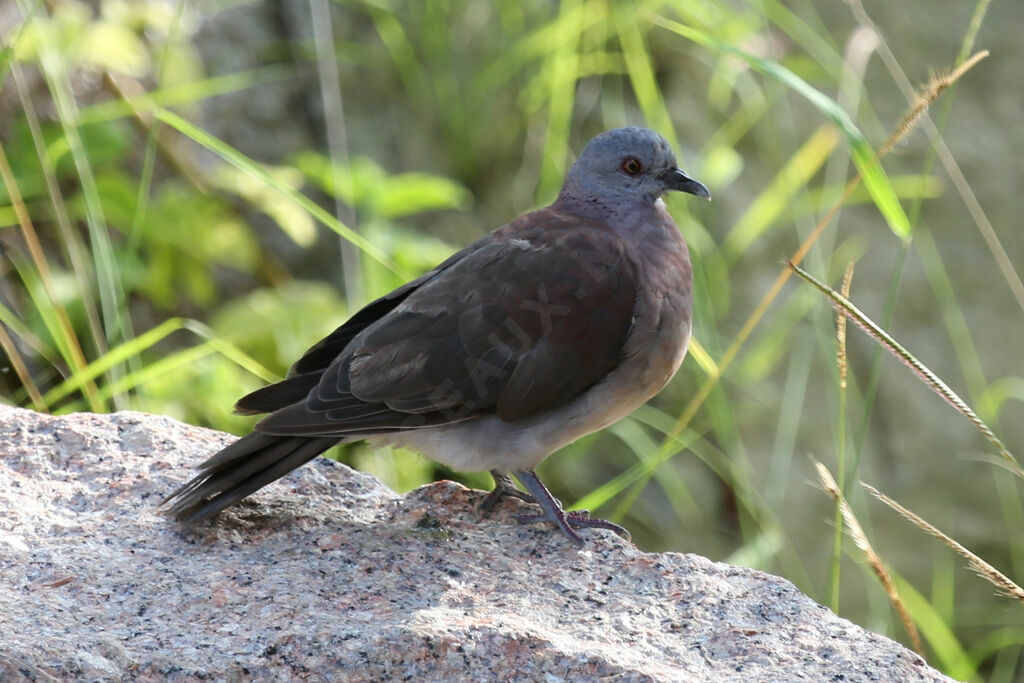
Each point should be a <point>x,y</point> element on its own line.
<point>600,206</point>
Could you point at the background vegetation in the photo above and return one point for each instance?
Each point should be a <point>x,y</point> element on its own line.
<point>194,192</point>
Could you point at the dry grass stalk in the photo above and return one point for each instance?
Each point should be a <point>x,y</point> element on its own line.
<point>936,86</point>
<point>846,307</point>
<point>1005,585</point>
<point>841,327</point>
<point>856,533</point>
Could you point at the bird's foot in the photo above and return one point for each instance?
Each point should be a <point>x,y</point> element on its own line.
<point>577,519</point>
<point>504,485</point>
<point>567,522</point>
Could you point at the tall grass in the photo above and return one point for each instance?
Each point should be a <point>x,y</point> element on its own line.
<point>139,269</point>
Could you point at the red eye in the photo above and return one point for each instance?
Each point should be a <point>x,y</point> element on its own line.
<point>632,166</point>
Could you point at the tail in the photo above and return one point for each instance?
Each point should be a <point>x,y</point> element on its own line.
<point>242,468</point>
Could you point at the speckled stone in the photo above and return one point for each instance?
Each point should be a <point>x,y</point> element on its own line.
<point>328,574</point>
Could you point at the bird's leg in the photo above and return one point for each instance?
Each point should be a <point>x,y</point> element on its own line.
<point>504,485</point>
<point>554,513</point>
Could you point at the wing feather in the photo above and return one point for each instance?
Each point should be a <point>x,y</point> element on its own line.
<point>519,323</point>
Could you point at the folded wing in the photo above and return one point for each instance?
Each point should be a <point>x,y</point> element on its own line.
<point>519,323</point>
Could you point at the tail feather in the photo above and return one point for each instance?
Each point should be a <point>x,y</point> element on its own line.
<point>240,469</point>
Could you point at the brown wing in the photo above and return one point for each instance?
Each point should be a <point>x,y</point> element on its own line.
<point>306,372</point>
<point>523,322</point>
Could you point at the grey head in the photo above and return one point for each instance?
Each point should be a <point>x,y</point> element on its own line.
<point>627,165</point>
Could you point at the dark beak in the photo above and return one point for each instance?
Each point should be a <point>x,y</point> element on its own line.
<point>675,179</point>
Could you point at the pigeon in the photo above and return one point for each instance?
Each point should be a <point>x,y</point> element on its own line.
<point>547,329</point>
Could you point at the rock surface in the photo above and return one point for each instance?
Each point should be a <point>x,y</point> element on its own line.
<point>330,574</point>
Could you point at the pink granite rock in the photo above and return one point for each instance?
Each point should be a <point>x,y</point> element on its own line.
<point>328,574</point>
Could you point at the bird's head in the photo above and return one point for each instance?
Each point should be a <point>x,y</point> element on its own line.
<point>628,164</point>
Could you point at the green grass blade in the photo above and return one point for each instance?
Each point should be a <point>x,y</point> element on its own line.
<point>562,70</point>
<point>244,163</point>
<point>48,311</point>
<point>150,371</point>
<point>952,658</point>
<point>134,347</point>
<point>116,323</point>
<point>872,174</point>
<point>115,356</point>
<point>640,67</point>
<point>184,93</point>
<point>780,193</point>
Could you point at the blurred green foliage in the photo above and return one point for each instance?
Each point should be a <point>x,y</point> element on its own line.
<point>168,172</point>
